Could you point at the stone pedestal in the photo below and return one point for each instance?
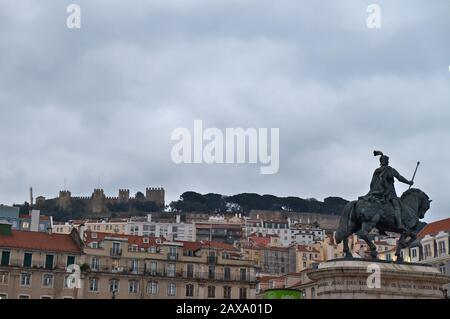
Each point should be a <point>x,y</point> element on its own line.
<point>377,279</point>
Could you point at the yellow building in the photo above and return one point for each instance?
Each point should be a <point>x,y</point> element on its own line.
<point>34,264</point>
<point>128,266</point>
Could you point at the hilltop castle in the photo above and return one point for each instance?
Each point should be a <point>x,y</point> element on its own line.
<point>99,204</point>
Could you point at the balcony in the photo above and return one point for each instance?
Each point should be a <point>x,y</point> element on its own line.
<point>171,256</point>
<point>115,252</point>
<point>212,259</point>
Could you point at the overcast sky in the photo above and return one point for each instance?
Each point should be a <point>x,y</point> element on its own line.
<point>102,101</point>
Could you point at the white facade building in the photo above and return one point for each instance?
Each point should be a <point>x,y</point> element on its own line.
<point>288,232</point>
<point>170,230</point>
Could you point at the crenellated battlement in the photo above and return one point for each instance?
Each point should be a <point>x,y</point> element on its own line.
<point>98,202</point>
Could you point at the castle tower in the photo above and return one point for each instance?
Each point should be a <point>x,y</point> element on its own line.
<point>155,194</point>
<point>124,195</point>
<point>98,201</point>
<point>64,199</point>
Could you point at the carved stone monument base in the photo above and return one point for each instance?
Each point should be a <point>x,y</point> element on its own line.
<point>377,279</point>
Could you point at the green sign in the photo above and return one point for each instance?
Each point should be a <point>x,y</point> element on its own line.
<point>282,294</point>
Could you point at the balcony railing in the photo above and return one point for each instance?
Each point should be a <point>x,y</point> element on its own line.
<point>212,259</point>
<point>35,265</point>
<point>172,256</point>
<point>115,252</point>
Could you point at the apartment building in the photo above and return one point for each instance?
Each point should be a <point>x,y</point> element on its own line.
<point>220,232</point>
<point>290,232</point>
<point>172,230</point>
<point>131,266</point>
<point>34,264</point>
<point>112,225</point>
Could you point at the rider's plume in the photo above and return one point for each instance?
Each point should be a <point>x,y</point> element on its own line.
<point>377,153</point>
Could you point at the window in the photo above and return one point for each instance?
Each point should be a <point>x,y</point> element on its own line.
<point>24,296</point>
<point>49,261</point>
<point>313,293</point>
<point>153,267</point>
<point>226,292</point>
<point>442,268</point>
<point>94,245</point>
<point>47,280</point>
<point>25,279</point>
<point>190,271</point>
<point>242,293</point>
<point>95,263</point>
<point>226,273</point>
<point>427,250</point>
<point>134,248</point>
<point>5,258</point>
<point>152,288</point>
<point>114,285</point>
<point>211,291</point>
<point>94,235</point>
<point>189,290</point>
<point>211,272</point>
<point>25,225</point>
<point>414,253</point>
<point>171,270</point>
<point>172,252</point>
<point>171,289</point>
<point>46,297</point>
<point>153,250</point>
<point>133,287</point>
<point>243,273</point>
<point>27,259</point>
<point>134,266</point>
<point>3,296</point>
<point>4,278</point>
<point>441,248</point>
<point>70,260</point>
<point>388,257</point>
<point>93,284</point>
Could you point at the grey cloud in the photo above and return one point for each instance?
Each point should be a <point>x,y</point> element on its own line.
<point>103,100</point>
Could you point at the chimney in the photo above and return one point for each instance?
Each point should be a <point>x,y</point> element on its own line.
<point>81,232</point>
<point>31,196</point>
<point>178,219</point>
<point>149,218</point>
<point>35,216</point>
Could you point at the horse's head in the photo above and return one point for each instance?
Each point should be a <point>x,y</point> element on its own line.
<point>417,200</point>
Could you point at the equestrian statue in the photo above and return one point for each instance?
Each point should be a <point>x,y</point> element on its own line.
<point>382,209</point>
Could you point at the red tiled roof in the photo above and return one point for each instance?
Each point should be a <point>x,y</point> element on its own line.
<point>215,244</point>
<point>262,241</point>
<point>435,227</point>
<point>40,241</point>
<point>308,249</point>
<point>41,217</point>
<point>266,279</point>
<point>190,245</point>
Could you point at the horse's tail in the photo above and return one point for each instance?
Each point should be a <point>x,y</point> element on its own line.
<point>343,230</point>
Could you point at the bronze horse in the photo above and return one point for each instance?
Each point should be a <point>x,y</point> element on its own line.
<point>361,216</point>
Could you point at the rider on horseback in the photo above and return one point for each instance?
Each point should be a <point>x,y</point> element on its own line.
<point>382,186</point>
